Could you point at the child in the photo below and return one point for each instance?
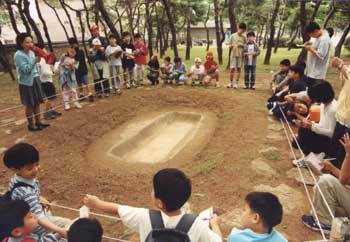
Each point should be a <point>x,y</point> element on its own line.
<point>17,224</point>
<point>280,76</point>
<point>197,72</point>
<point>167,71</point>
<point>250,53</point>
<point>97,55</point>
<point>211,69</point>
<point>237,42</point>
<point>171,190</point>
<point>67,79</point>
<point>128,61</point>
<point>261,213</point>
<point>23,160</point>
<point>85,230</point>
<point>140,54</point>
<point>113,54</point>
<point>154,67</point>
<point>179,71</point>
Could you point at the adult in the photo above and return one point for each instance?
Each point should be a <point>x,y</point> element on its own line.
<point>318,53</point>
<point>30,90</point>
<point>95,32</point>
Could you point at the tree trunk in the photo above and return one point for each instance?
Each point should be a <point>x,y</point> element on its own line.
<point>231,16</point>
<point>217,30</point>
<point>314,13</point>
<point>265,36</point>
<point>26,11</point>
<point>293,39</point>
<point>261,34</point>
<point>272,33</point>
<point>12,17</point>
<point>87,15</point>
<point>149,29</point>
<point>329,16</point>
<point>107,19</point>
<point>69,19</point>
<point>341,41</point>
<point>23,17</point>
<point>171,26</point>
<point>46,31</point>
<point>206,28</point>
<point>82,33</point>
<point>119,20</point>
<point>58,18</point>
<point>188,38</point>
<point>4,60</point>
<point>278,37</point>
<point>305,37</point>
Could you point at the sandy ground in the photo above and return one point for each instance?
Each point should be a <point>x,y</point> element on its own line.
<point>233,161</point>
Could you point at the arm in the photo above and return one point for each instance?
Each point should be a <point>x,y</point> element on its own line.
<point>257,50</point>
<point>45,223</point>
<point>94,202</point>
<point>214,224</point>
<point>282,84</point>
<point>344,176</point>
<point>25,65</point>
<point>327,131</point>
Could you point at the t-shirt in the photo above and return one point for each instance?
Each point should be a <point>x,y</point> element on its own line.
<point>297,86</point>
<point>45,71</point>
<point>196,71</point>
<point>154,65</point>
<point>343,110</point>
<point>140,57</point>
<point>129,49</point>
<point>247,235</point>
<point>316,66</point>
<point>166,69</point>
<point>138,220</point>
<point>80,58</point>
<point>209,64</point>
<point>279,77</point>
<point>327,122</point>
<point>112,59</point>
<point>250,57</point>
<point>235,39</point>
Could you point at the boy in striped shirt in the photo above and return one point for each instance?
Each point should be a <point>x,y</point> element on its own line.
<point>23,160</point>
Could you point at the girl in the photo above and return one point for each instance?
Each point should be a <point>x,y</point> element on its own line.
<point>29,82</point>
<point>154,67</point>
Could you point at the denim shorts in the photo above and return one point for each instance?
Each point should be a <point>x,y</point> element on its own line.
<point>83,79</point>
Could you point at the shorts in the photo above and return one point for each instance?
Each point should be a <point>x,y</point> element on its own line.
<point>236,62</point>
<point>49,90</point>
<point>82,79</point>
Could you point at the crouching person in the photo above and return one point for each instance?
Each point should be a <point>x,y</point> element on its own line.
<point>211,70</point>
<point>197,72</point>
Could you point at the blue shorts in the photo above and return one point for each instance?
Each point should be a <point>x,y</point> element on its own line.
<point>82,79</point>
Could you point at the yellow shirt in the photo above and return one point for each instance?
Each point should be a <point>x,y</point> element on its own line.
<point>343,111</point>
<point>235,39</point>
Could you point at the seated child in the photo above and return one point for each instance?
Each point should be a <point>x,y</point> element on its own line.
<point>154,67</point>
<point>261,213</point>
<point>17,224</point>
<point>280,76</point>
<point>197,72</point>
<point>211,70</point>
<point>23,160</point>
<point>179,71</point>
<point>85,230</point>
<point>167,71</point>
<point>171,190</point>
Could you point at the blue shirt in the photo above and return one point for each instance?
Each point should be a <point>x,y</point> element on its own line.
<point>25,67</point>
<point>247,235</point>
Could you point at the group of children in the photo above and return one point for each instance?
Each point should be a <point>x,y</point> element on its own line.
<point>25,214</point>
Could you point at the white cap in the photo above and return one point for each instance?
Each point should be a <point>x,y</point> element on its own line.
<point>197,59</point>
<point>96,41</point>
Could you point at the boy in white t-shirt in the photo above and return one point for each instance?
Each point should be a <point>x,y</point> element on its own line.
<point>171,190</point>
<point>113,53</point>
<point>197,72</point>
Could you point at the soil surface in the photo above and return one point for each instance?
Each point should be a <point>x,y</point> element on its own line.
<point>246,151</point>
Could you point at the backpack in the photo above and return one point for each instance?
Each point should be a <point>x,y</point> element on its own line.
<point>7,196</point>
<point>161,234</point>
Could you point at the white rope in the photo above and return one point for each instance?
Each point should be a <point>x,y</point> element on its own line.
<point>114,239</point>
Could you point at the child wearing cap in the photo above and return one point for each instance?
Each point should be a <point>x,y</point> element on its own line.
<point>211,70</point>
<point>197,72</point>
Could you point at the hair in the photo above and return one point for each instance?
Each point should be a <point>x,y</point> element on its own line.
<point>137,36</point>
<point>312,27</point>
<point>172,187</point>
<point>177,59</point>
<point>330,31</point>
<point>126,33</point>
<point>242,26</point>
<point>20,155</point>
<point>167,58</point>
<point>285,62</point>
<point>297,69</point>
<point>251,34</point>
<point>20,39</point>
<point>112,36</point>
<point>72,41</point>
<point>267,206</point>
<point>85,229</point>
<point>12,215</point>
<point>322,92</point>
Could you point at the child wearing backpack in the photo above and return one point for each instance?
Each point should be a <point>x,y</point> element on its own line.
<point>85,230</point>
<point>262,212</point>
<point>171,190</point>
<point>23,160</point>
<point>17,224</point>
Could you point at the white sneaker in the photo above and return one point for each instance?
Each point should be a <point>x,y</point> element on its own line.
<point>230,85</point>
<point>77,105</point>
<point>128,85</point>
<point>235,86</point>
<point>299,163</point>
<point>66,106</point>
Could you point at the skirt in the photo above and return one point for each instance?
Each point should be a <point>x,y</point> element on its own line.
<point>31,95</point>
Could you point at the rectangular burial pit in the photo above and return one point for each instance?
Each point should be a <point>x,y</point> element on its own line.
<point>160,140</point>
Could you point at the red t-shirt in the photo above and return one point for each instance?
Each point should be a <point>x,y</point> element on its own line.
<point>140,59</point>
<point>210,65</point>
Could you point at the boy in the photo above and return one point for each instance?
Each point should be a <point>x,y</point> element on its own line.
<point>113,54</point>
<point>250,52</point>
<point>85,230</point>
<point>167,71</point>
<point>140,53</point>
<point>197,72</point>
<point>128,60</point>
<point>237,42</point>
<point>171,190</point>
<point>261,213</point>
<point>211,69</point>
<point>17,224</point>
<point>179,71</point>
<point>23,160</point>
<point>280,76</point>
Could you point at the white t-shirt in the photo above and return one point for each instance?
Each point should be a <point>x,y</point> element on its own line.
<point>138,220</point>
<point>112,60</point>
<point>327,122</point>
<point>197,71</point>
<point>45,71</point>
<point>250,57</point>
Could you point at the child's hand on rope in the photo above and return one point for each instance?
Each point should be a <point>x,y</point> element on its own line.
<point>91,201</point>
<point>345,141</point>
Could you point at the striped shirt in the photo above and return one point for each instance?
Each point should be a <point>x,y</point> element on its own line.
<point>49,237</point>
<point>31,195</point>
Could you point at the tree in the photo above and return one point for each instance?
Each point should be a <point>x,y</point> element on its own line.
<point>149,27</point>
<point>12,16</point>
<point>272,33</point>
<point>46,31</point>
<point>171,26</point>
<point>32,23</point>
<point>217,30</point>
<point>341,41</point>
<point>64,7</point>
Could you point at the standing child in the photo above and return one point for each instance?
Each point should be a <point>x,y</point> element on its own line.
<point>67,79</point>
<point>154,67</point>
<point>179,71</point>
<point>237,42</point>
<point>250,52</point>
<point>197,72</point>
<point>211,70</point>
<point>128,61</point>
<point>167,71</point>
<point>113,54</point>
<point>140,54</point>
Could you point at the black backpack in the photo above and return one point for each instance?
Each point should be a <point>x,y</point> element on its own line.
<point>161,234</point>
<point>7,196</point>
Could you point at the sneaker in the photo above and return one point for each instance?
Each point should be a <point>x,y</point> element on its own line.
<point>299,163</point>
<point>66,106</point>
<point>48,115</point>
<point>235,86</point>
<point>91,98</point>
<point>54,112</point>
<point>77,105</point>
<point>230,85</point>
<point>127,85</point>
<point>217,84</point>
<point>246,87</point>
<point>309,221</point>
<point>106,94</point>
<point>118,92</point>
<point>252,88</point>
<point>133,84</point>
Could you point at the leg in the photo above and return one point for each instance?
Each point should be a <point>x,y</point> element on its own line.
<point>29,110</point>
<point>38,123</point>
<point>246,76</point>
<point>336,150</point>
<point>74,97</point>
<point>253,75</point>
